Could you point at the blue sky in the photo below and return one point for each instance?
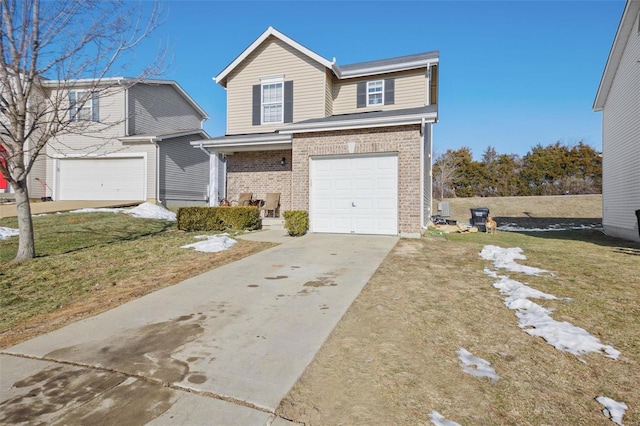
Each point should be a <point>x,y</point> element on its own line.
<point>513,74</point>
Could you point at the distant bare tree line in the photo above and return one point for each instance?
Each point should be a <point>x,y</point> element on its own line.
<point>544,170</point>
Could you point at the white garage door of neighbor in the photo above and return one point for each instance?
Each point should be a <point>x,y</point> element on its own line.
<point>355,194</point>
<point>101,179</point>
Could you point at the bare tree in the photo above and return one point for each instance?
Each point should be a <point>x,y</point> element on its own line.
<point>45,49</point>
<point>445,170</point>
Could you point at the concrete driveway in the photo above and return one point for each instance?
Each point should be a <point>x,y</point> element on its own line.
<point>223,348</point>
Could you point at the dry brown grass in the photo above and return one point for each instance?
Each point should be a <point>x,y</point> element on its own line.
<point>392,359</point>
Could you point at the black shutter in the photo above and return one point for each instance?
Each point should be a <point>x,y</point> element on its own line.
<point>288,101</point>
<point>389,91</point>
<point>257,104</point>
<point>361,96</point>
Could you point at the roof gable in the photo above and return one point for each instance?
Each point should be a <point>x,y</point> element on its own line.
<point>626,27</point>
<point>222,77</point>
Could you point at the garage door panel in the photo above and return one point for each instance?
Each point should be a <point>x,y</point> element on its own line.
<point>101,179</point>
<point>363,198</point>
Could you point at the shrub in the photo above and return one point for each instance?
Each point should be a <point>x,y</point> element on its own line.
<point>296,222</point>
<point>218,218</point>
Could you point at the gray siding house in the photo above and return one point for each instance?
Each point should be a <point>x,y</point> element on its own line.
<point>133,142</point>
<point>618,99</point>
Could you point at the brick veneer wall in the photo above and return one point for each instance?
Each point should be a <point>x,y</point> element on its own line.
<point>403,140</point>
<point>260,172</point>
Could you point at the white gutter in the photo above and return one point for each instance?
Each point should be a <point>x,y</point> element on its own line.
<point>358,123</point>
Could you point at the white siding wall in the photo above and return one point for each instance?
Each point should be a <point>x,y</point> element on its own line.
<point>410,92</point>
<point>100,139</point>
<point>274,57</point>
<point>159,107</point>
<point>621,145</point>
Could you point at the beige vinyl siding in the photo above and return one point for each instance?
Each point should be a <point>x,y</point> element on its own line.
<point>410,92</point>
<point>159,107</point>
<point>274,58</point>
<point>621,145</point>
<point>328,110</point>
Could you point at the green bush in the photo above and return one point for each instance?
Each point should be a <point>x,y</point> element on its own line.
<point>296,222</point>
<point>218,218</point>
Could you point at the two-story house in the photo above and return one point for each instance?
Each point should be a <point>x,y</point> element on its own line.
<point>129,139</point>
<point>618,98</point>
<point>350,144</point>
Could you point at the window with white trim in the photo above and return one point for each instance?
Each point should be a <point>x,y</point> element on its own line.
<point>83,105</point>
<point>272,102</point>
<point>375,92</point>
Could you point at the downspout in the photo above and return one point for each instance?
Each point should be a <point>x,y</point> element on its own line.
<point>422,165</point>
<point>154,140</point>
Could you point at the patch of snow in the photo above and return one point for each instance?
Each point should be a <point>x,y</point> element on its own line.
<point>151,211</point>
<point>512,227</point>
<point>8,232</point>
<point>613,409</point>
<point>143,211</point>
<point>535,319</point>
<point>476,366</point>
<point>439,420</point>
<point>212,243</point>
<point>506,259</point>
<point>97,210</point>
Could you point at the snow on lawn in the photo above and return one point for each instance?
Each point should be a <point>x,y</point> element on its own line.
<point>476,366</point>
<point>8,232</point>
<point>535,319</point>
<point>143,211</point>
<point>613,409</point>
<point>212,243</point>
<point>512,227</point>
<point>439,420</point>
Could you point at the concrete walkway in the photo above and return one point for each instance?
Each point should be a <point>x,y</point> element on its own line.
<point>222,348</point>
<point>9,210</point>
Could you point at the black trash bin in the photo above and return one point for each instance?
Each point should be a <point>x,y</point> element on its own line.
<point>479,218</point>
<point>638,217</point>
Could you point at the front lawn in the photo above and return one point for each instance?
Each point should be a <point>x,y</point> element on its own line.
<point>90,262</point>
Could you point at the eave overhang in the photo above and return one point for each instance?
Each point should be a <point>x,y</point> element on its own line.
<point>245,143</point>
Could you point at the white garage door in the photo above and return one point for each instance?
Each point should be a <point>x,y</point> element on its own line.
<point>355,194</point>
<point>101,179</point>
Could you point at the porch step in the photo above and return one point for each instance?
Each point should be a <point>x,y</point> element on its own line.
<point>272,223</point>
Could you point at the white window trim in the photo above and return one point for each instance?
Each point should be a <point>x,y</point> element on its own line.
<point>381,92</point>
<point>88,104</point>
<point>265,81</point>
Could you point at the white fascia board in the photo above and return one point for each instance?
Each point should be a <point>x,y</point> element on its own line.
<point>161,137</point>
<point>248,143</point>
<point>615,54</point>
<point>360,123</point>
<point>386,69</point>
<point>271,32</point>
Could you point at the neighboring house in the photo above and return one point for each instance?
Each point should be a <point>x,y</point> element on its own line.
<point>132,142</point>
<point>619,100</point>
<point>350,144</point>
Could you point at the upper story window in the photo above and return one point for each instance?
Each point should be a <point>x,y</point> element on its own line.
<point>375,92</point>
<point>272,102</point>
<point>83,106</point>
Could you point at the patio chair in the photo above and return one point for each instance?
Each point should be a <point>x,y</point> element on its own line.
<point>244,199</point>
<point>271,203</point>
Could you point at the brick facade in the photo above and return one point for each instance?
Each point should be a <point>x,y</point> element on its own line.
<point>260,172</point>
<point>405,141</point>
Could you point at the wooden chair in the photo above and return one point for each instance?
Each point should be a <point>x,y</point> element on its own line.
<point>244,199</point>
<point>271,203</point>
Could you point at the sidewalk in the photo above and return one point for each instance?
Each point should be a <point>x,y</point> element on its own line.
<point>221,348</point>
